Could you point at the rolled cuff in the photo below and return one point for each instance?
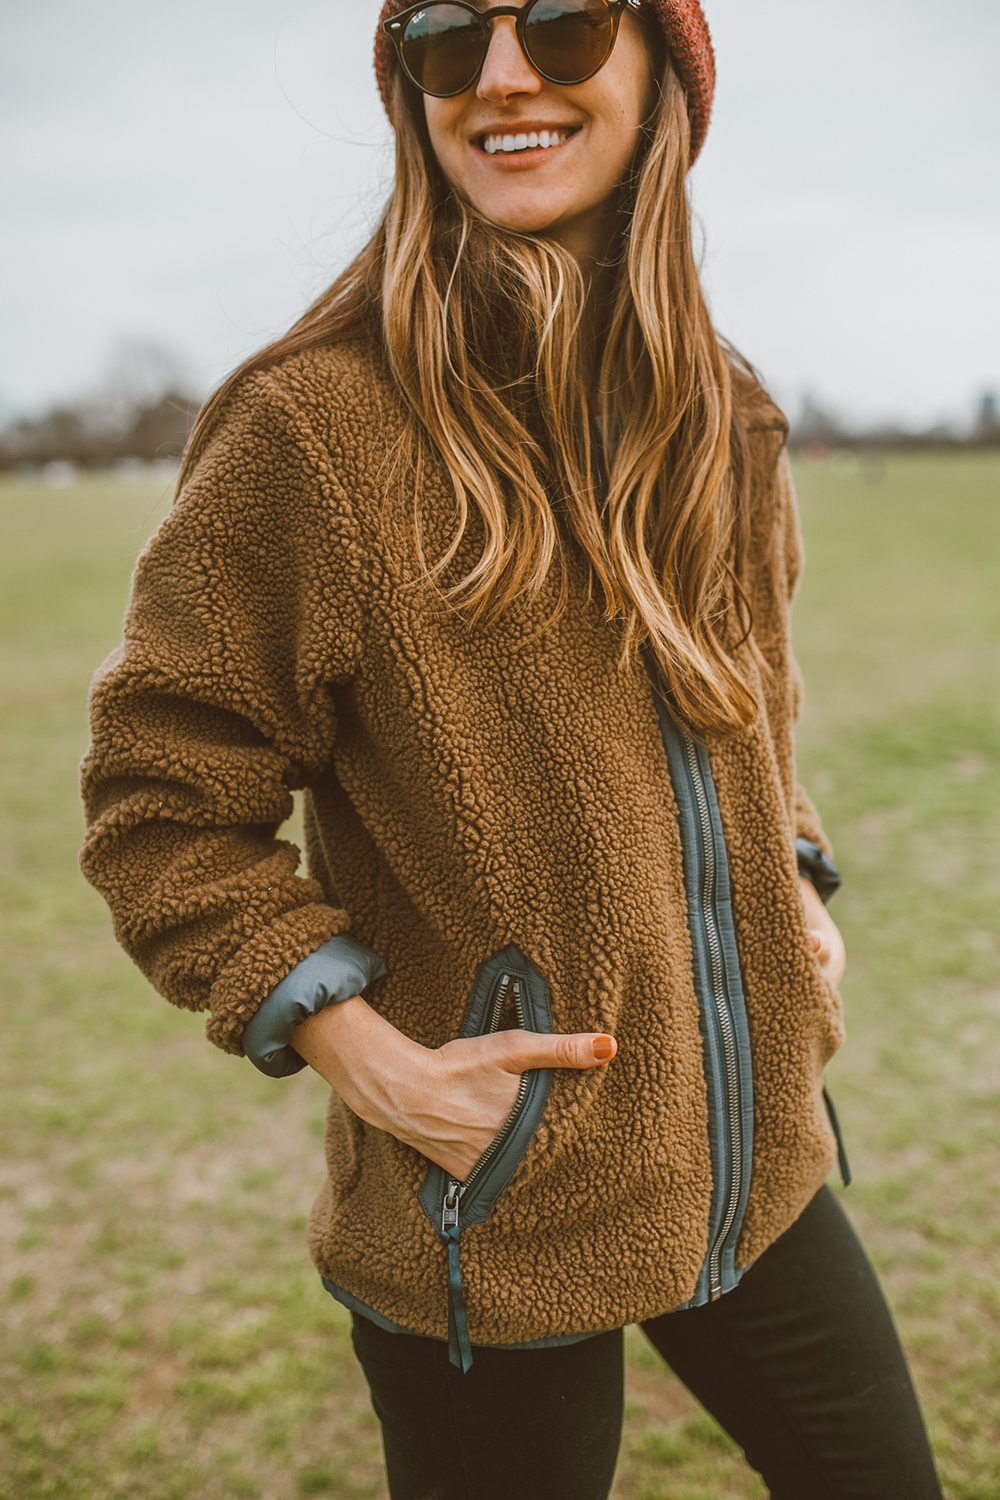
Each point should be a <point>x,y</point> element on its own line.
<point>338,971</point>
<point>818,867</point>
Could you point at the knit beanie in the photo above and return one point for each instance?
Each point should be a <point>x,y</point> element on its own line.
<point>684,27</point>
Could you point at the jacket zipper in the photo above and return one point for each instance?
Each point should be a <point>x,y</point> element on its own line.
<point>727,1029</point>
<point>459,1344</point>
<point>456,1191</point>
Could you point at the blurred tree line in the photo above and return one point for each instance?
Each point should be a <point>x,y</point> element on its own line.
<point>818,427</point>
<point>143,410</point>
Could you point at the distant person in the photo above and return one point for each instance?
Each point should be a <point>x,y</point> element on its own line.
<point>493,555</point>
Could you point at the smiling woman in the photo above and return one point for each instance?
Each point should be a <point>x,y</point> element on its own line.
<point>493,555</point>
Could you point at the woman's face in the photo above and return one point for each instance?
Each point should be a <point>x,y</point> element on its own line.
<point>561,188</point>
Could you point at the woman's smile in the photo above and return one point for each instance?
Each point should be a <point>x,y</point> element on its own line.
<point>522,139</point>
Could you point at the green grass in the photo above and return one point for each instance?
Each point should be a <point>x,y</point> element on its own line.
<point>163,1334</point>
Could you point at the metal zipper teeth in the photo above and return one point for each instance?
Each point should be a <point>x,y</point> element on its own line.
<point>457,1190</point>
<point>725,1026</point>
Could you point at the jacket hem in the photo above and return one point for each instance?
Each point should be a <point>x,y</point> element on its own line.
<point>355,1305</point>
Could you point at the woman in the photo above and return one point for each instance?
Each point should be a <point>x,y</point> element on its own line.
<point>493,555</point>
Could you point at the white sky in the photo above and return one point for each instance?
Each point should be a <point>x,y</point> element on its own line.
<point>194,172</point>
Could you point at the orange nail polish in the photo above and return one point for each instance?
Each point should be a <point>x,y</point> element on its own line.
<point>604,1048</point>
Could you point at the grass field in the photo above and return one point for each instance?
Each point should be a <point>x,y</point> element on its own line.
<point>163,1335</point>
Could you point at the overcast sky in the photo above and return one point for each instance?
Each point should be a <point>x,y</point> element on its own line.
<point>195,171</point>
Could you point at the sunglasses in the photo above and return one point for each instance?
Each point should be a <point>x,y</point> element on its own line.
<point>442,46</point>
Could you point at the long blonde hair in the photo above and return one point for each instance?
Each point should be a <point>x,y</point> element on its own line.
<point>480,329</point>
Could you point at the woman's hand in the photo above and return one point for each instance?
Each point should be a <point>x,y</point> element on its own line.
<point>448,1104</point>
<point>828,945</point>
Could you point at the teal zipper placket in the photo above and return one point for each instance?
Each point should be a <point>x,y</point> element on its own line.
<point>719,988</point>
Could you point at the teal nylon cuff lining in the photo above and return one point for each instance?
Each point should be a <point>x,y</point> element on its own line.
<point>339,970</point>
<point>818,867</point>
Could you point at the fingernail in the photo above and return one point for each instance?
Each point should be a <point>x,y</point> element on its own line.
<point>604,1048</point>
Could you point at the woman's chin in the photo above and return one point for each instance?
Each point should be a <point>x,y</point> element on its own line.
<point>521,221</point>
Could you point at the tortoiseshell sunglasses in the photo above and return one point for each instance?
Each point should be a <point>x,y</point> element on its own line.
<point>442,46</point>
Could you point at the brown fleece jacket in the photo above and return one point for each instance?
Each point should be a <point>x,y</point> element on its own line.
<point>465,789</point>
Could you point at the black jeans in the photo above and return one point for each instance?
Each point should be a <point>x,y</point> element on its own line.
<point>800,1364</point>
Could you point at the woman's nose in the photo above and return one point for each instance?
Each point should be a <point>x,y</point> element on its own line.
<point>506,71</point>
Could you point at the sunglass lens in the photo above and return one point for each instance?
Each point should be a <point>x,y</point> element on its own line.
<point>568,40</point>
<point>442,49</point>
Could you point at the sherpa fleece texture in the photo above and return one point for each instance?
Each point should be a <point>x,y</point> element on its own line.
<point>465,789</point>
<point>688,38</point>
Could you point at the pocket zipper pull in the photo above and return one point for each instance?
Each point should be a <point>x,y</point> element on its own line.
<point>459,1347</point>
<point>451,1206</point>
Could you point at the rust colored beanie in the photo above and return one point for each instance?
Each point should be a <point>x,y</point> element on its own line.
<point>684,27</point>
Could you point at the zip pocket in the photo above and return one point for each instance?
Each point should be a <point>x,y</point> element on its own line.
<point>507,985</point>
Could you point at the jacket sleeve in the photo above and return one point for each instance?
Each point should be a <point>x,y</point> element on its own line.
<point>777,582</point>
<point>245,611</point>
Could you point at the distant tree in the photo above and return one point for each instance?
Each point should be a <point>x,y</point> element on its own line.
<point>815,424</point>
<point>987,429</point>
<point>143,408</point>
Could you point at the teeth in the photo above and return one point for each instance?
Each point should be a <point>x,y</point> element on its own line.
<point>510,143</point>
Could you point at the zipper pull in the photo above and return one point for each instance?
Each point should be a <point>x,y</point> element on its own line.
<point>451,1206</point>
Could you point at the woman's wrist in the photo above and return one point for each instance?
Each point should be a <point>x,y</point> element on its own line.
<point>363,1058</point>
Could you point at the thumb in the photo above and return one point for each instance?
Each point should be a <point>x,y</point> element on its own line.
<point>525,1050</point>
